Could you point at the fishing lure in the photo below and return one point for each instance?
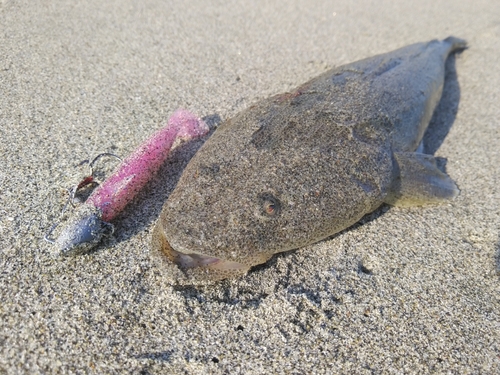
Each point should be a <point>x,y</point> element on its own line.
<point>90,221</point>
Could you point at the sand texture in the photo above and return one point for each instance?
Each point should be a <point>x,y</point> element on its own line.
<point>405,291</point>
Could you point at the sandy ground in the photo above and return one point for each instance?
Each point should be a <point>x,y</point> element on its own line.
<point>407,291</point>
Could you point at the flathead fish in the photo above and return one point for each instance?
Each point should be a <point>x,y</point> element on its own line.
<point>298,167</point>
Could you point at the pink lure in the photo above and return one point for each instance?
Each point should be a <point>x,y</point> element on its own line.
<point>86,227</point>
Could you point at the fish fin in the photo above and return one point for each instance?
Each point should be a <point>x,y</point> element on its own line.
<point>421,147</point>
<point>456,43</point>
<point>418,182</point>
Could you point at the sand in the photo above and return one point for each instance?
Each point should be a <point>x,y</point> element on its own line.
<point>406,291</point>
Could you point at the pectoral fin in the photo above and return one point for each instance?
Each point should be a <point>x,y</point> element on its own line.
<point>419,182</point>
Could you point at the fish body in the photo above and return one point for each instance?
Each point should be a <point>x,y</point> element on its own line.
<point>298,167</point>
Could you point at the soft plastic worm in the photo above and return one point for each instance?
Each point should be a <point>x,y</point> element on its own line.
<point>89,222</point>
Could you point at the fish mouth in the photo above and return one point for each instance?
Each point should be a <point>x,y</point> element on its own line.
<point>196,260</point>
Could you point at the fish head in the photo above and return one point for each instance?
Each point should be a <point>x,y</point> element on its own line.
<point>216,225</point>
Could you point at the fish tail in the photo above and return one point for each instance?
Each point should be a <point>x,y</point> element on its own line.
<point>455,43</point>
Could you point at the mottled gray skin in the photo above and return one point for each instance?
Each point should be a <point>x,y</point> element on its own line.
<point>299,167</point>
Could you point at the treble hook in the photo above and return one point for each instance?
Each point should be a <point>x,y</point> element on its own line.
<point>72,191</point>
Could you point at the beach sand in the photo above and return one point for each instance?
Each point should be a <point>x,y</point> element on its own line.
<point>413,290</point>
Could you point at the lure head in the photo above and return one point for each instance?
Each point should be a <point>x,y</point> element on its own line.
<point>83,231</point>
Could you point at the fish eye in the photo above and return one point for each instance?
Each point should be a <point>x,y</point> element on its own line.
<point>271,205</point>
<point>270,208</point>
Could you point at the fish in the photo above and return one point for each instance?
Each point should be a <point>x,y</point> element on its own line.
<point>298,167</point>
<point>90,221</point>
